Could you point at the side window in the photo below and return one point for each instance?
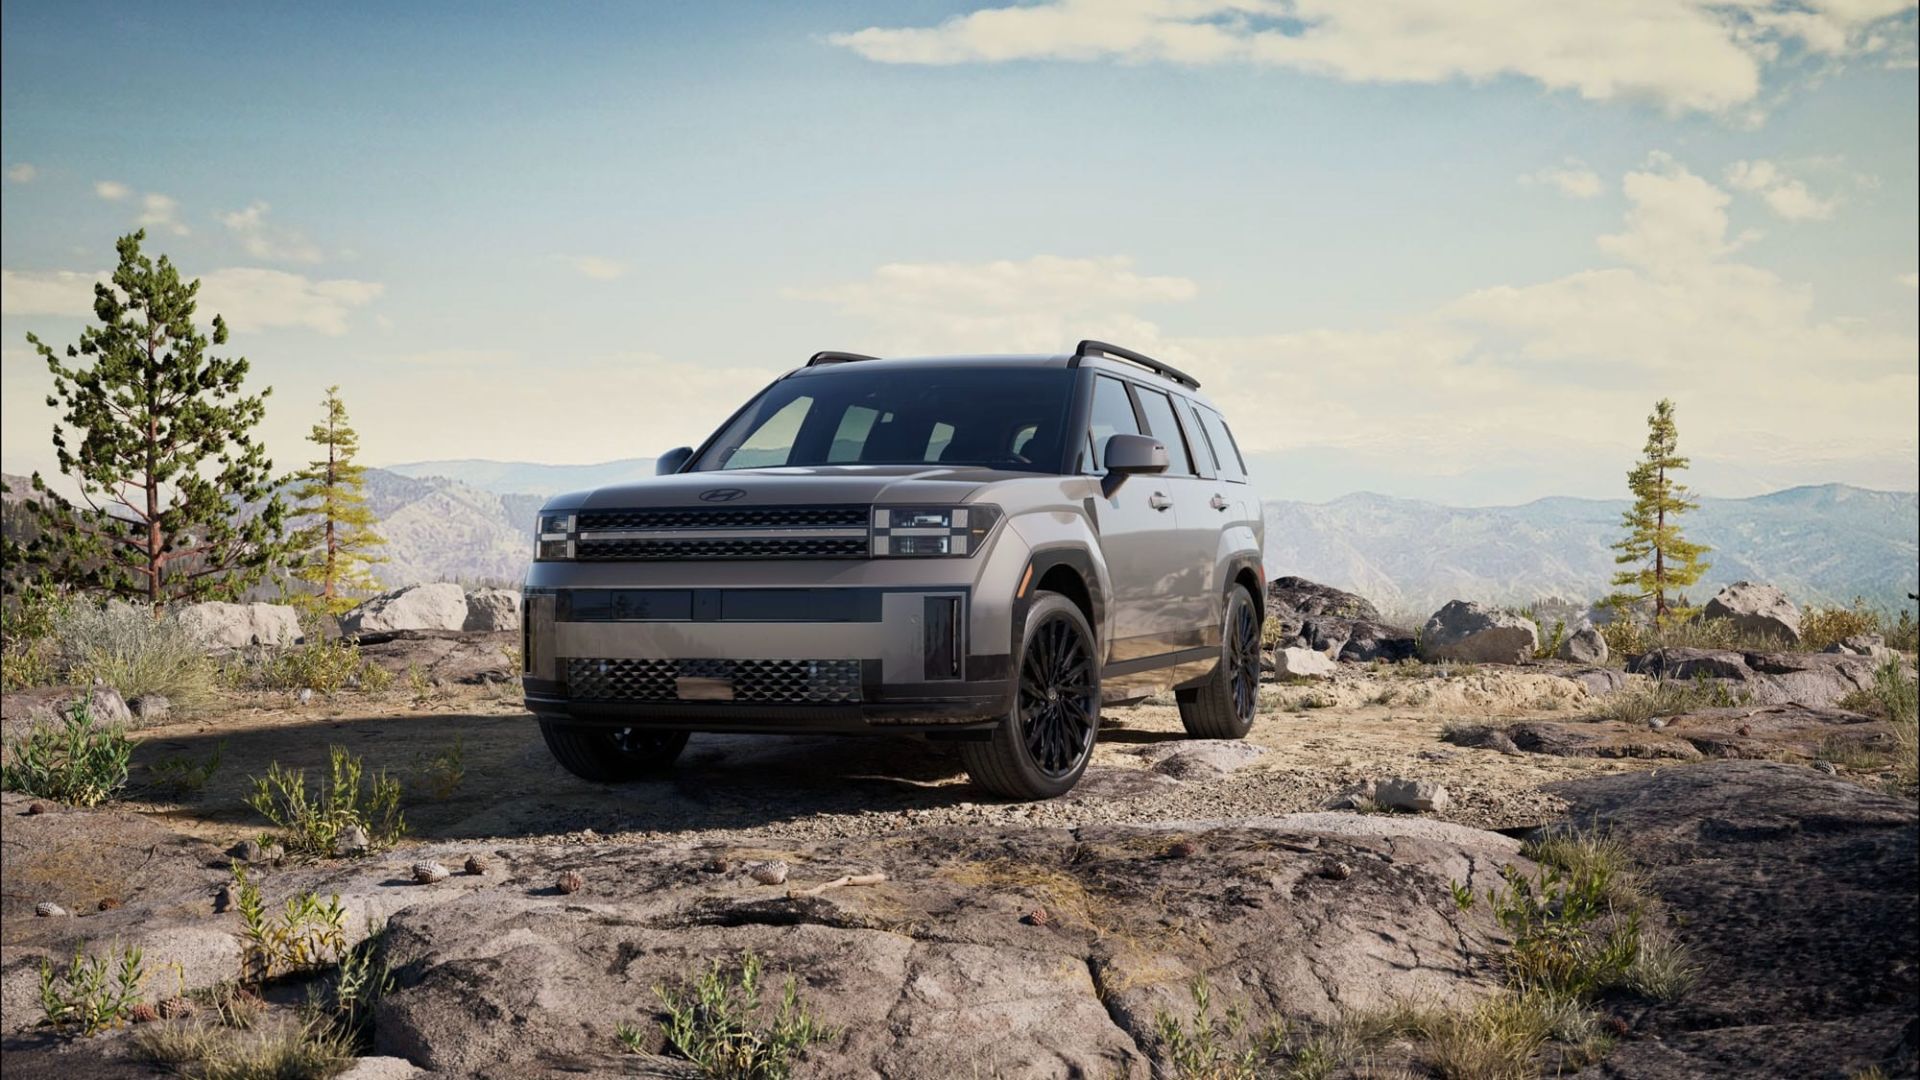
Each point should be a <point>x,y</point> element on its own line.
<point>1205,461</point>
<point>1112,413</point>
<point>1159,410</point>
<point>1232,467</point>
<point>770,443</point>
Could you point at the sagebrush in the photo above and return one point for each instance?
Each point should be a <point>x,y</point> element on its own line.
<point>133,650</point>
<point>313,824</point>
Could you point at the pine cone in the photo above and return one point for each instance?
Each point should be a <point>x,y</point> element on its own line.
<point>426,873</point>
<point>477,864</point>
<point>143,1013</point>
<point>570,882</point>
<point>177,1008</point>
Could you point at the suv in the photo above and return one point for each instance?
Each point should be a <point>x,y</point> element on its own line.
<point>979,549</point>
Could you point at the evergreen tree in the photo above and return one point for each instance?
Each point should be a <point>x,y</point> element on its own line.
<point>167,465</point>
<point>1663,560</point>
<point>339,541</point>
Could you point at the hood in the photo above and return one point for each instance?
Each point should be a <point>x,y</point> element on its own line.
<point>818,485</point>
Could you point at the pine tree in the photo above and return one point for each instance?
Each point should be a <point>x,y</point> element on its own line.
<point>1663,559</point>
<point>339,541</point>
<point>167,465</point>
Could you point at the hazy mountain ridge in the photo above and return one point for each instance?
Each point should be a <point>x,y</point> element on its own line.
<point>1824,544</point>
<point>527,477</point>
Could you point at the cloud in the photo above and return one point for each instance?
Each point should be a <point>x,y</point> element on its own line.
<point>1687,55</point>
<point>161,212</point>
<point>52,292</point>
<point>263,240</point>
<point>597,267</point>
<point>1043,304</point>
<point>1557,373</point>
<point>1574,180</point>
<point>111,190</point>
<point>1787,197</point>
<point>22,172</point>
<point>252,298</point>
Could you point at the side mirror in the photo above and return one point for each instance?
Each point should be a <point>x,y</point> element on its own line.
<point>672,461</point>
<point>1125,455</point>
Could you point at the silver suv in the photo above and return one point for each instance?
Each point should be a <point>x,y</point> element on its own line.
<point>979,549</point>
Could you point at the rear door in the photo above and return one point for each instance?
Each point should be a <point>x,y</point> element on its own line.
<point>1190,594</point>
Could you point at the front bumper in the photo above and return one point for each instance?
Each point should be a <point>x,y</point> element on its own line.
<point>761,659</point>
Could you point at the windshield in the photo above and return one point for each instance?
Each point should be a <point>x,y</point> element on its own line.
<point>1004,418</point>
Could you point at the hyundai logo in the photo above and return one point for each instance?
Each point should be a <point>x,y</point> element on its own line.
<point>721,495</point>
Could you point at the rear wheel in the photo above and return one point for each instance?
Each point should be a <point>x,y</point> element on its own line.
<point>607,755</point>
<point>1223,707</point>
<point>1040,749</point>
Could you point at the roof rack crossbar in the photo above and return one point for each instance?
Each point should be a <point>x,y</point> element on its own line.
<point>1090,347</point>
<point>831,357</point>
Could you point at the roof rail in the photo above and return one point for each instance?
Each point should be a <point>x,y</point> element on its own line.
<point>831,357</point>
<point>1100,348</point>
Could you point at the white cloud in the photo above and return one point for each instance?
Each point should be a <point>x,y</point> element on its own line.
<point>1786,196</point>
<point>1573,178</point>
<point>1688,55</point>
<point>53,292</point>
<point>111,190</point>
<point>1042,304</point>
<point>264,240</point>
<point>597,267</point>
<point>1552,376</point>
<point>161,212</point>
<point>251,298</point>
<point>22,172</point>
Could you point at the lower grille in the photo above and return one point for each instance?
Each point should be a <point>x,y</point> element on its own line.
<point>764,682</point>
<point>803,547</point>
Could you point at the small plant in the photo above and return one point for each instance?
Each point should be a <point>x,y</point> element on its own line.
<point>441,774</point>
<point>312,1047</point>
<point>316,664</point>
<point>363,979</point>
<point>1894,698</point>
<point>1272,632</point>
<point>1667,697</point>
<point>93,993</point>
<point>715,1022</point>
<point>306,934</point>
<point>80,763</point>
<point>375,679</point>
<point>1206,1047</point>
<point>181,776</point>
<point>313,824</point>
<point>1462,896</point>
<point>1824,626</point>
<point>418,683</point>
<point>631,1037</point>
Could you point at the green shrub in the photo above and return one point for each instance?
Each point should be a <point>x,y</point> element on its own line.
<point>348,799</point>
<point>1205,1047</point>
<point>315,664</point>
<point>1901,633</point>
<point>26,636</point>
<point>1894,698</point>
<point>716,1022</point>
<point>180,776</point>
<point>306,934</point>
<point>1667,697</point>
<point>80,763</point>
<point>1823,626</point>
<point>132,650</point>
<point>93,993</point>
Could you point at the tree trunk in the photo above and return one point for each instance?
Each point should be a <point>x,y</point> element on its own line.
<point>1659,549</point>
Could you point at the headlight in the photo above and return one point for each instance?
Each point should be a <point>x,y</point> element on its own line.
<point>553,536</point>
<point>931,531</point>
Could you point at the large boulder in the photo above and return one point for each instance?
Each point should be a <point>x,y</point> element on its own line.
<point>1330,621</point>
<point>1583,646</point>
<point>1685,662</point>
<point>492,609</point>
<point>1871,646</point>
<point>220,625</point>
<point>440,606</point>
<point>1756,609</point>
<point>1466,632</point>
<point>1764,678</point>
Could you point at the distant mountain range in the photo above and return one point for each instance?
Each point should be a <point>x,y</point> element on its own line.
<point>465,520</point>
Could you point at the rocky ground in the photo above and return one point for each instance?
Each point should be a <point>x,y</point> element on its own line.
<point>1016,940</point>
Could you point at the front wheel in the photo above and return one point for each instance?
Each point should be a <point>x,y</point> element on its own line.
<point>1223,706</point>
<point>1040,748</point>
<point>608,755</point>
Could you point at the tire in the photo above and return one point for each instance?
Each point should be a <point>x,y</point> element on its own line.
<point>1042,746</point>
<point>609,755</point>
<point>1224,706</point>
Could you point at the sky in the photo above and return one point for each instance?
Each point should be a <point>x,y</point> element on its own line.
<point>1440,249</point>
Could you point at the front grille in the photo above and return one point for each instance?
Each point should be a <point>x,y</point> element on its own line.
<point>824,547</point>
<point>763,682</point>
<point>745,517</point>
<point>701,532</point>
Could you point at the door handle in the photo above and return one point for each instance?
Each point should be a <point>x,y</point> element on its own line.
<point>1159,501</point>
<point>1218,503</point>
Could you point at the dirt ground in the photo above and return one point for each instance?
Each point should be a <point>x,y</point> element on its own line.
<point>474,767</point>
